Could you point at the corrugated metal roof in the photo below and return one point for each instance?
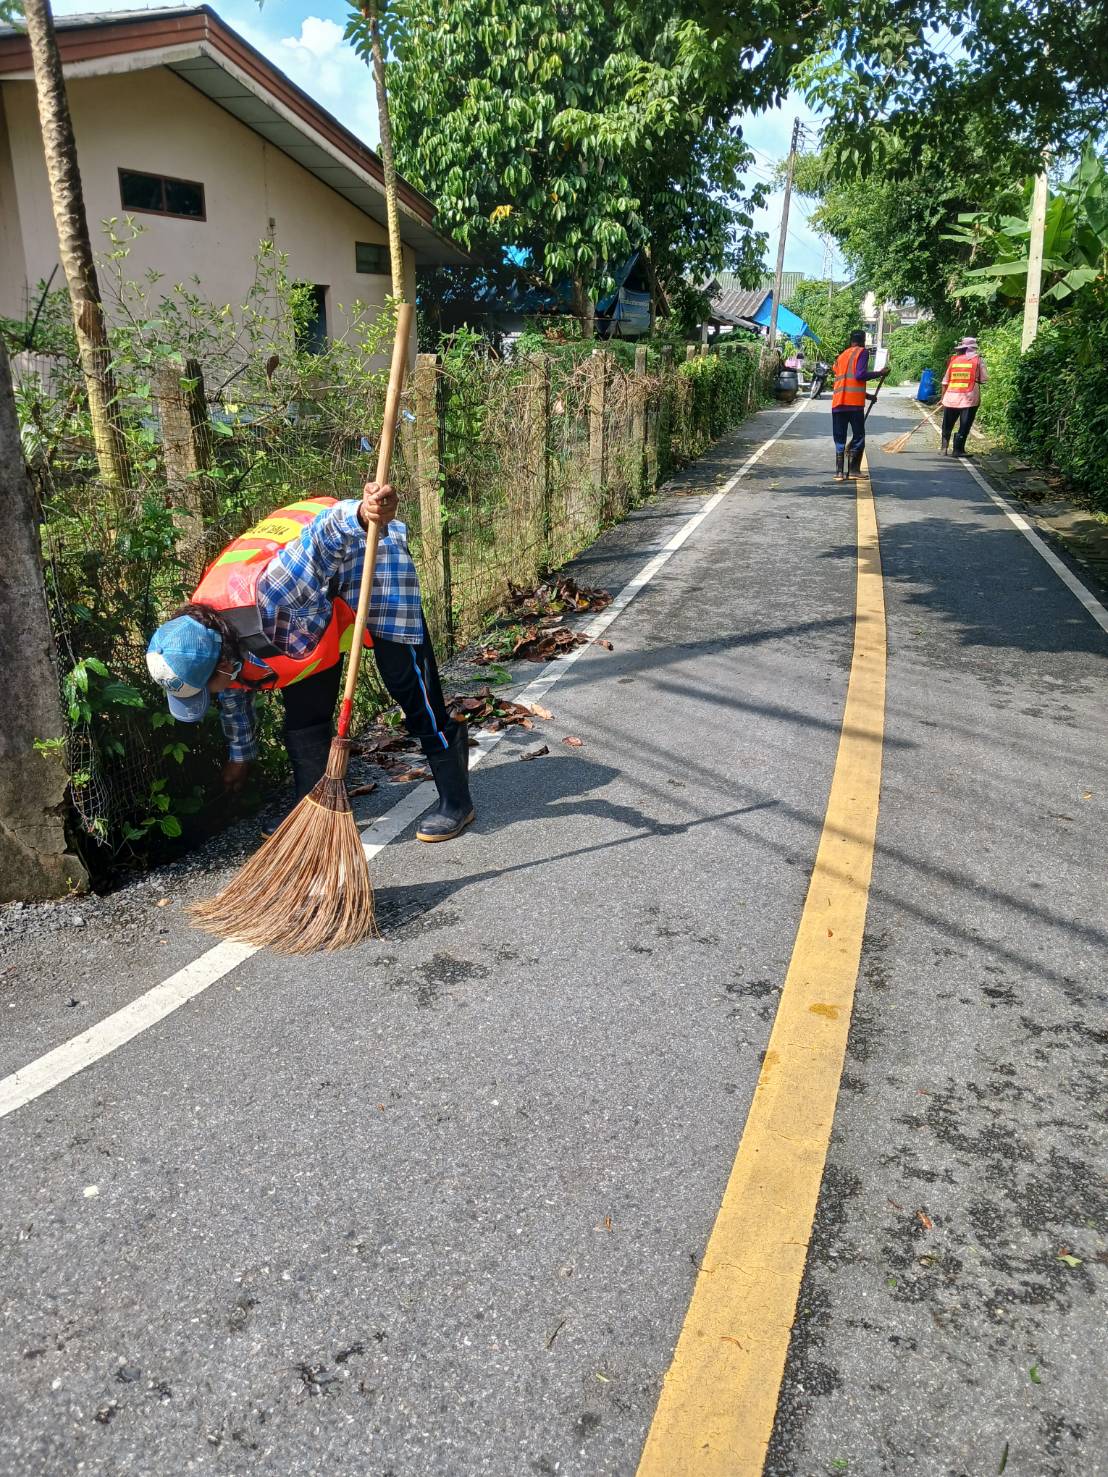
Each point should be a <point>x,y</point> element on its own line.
<point>729,297</point>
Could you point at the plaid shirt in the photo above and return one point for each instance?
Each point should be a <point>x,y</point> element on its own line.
<point>297,590</point>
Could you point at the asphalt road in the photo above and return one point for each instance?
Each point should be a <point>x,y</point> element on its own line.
<point>436,1206</point>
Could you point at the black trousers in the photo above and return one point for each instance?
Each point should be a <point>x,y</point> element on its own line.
<point>850,418</point>
<point>409,673</point>
<point>965,419</point>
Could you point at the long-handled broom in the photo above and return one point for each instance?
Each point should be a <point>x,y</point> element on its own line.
<point>900,443</point>
<point>308,886</point>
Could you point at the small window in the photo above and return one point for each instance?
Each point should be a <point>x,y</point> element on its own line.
<point>371,258</point>
<point>311,334</point>
<point>157,194</point>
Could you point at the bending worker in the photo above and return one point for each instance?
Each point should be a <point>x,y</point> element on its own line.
<point>965,374</point>
<point>275,610</point>
<point>848,404</point>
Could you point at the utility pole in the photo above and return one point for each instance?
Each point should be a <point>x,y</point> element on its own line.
<point>1035,261</point>
<point>772,336</point>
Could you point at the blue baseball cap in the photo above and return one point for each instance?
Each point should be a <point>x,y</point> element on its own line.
<point>181,657</point>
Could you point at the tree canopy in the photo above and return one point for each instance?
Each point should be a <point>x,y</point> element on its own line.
<point>578,133</point>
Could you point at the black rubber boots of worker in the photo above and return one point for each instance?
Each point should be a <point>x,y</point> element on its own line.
<point>450,771</point>
<point>959,445</point>
<point>840,458</point>
<point>855,460</point>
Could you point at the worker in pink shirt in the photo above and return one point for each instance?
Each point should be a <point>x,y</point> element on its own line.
<point>965,374</point>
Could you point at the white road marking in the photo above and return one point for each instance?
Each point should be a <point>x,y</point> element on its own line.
<point>1064,573</point>
<point>65,1061</point>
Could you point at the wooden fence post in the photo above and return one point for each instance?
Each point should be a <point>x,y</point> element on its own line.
<point>187,451</point>
<point>692,351</point>
<point>537,453</point>
<point>598,393</point>
<point>663,431</point>
<point>433,533</point>
<point>34,862</point>
<point>638,423</point>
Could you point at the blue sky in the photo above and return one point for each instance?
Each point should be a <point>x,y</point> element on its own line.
<point>305,41</point>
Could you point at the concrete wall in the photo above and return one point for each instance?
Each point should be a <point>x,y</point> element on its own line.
<point>155,122</point>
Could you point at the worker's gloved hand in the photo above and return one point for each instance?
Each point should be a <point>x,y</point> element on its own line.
<point>378,504</point>
<point>235,774</point>
<point>884,372</point>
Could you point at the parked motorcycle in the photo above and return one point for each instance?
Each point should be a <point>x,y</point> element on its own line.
<point>820,371</point>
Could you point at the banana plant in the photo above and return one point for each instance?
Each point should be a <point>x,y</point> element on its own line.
<point>1075,239</point>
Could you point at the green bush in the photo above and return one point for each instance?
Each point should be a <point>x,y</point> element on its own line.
<point>1051,404</point>
<point>920,346</point>
<point>1059,408</point>
<point>715,393</point>
<point>1000,349</point>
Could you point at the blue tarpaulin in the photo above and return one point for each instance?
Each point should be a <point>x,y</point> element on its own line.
<point>787,321</point>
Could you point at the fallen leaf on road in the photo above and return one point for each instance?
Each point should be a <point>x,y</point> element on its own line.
<point>1070,1260</point>
<point>574,743</point>
<point>163,902</point>
<point>607,645</point>
<point>895,1205</point>
<point>1033,1373</point>
<point>534,751</point>
<point>727,1338</point>
<point>405,776</point>
<point>541,712</point>
<point>924,1220</point>
<point>364,789</point>
<point>1087,795</point>
<point>606,1224</point>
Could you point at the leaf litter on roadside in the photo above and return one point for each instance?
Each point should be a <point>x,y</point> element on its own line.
<point>534,644</point>
<point>556,595</point>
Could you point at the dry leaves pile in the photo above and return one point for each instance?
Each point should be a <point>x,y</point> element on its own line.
<point>392,752</point>
<point>485,710</point>
<point>557,596</point>
<point>535,644</point>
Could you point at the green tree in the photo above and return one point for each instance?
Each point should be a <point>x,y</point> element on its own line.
<point>574,134</point>
<point>832,315</point>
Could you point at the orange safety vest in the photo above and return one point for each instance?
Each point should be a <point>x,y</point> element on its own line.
<point>849,389</point>
<point>230,585</point>
<point>962,372</point>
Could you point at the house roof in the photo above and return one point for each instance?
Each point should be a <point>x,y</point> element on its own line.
<point>730,300</point>
<point>790,281</point>
<point>203,51</point>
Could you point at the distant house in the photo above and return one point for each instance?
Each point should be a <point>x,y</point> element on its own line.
<point>181,124</point>
<point>733,306</point>
<point>507,302</point>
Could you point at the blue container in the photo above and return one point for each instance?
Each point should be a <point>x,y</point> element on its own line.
<point>927,390</point>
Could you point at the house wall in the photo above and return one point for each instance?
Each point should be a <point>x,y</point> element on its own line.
<point>155,122</point>
<point>11,244</point>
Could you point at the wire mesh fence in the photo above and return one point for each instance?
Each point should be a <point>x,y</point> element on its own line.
<point>505,470</point>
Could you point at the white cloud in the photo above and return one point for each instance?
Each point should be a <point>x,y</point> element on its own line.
<point>318,37</point>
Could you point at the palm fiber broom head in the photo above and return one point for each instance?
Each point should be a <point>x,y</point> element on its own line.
<point>308,886</point>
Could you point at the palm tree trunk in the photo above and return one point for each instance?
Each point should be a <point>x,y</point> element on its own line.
<point>75,247</point>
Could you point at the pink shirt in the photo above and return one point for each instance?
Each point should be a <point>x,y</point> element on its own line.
<point>963,399</point>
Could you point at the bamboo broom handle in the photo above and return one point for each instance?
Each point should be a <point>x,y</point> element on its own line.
<point>384,462</point>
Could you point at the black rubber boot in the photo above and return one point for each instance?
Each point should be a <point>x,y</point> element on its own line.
<point>308,749</point>
<point>856,460</point>
<point>959,445</point>
<point>450,771</point>
<point>840,458</point>
<point>944,446</point>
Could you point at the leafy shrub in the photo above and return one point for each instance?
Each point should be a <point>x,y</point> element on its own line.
<point>1000,349</point>
<point>1059,407</point>
<point>920,346</point>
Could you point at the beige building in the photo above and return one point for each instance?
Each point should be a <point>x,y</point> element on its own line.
<point>183,126</point>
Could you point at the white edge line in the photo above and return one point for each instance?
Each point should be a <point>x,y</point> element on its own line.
<point>1075,586</point>
<point>65,1061</point>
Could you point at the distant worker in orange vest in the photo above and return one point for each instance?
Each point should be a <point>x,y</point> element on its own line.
<point>965,374</point>
<point>848,404</point>
<point>276,610</point>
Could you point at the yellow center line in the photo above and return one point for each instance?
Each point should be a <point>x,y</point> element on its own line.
<point>719,1400</point>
